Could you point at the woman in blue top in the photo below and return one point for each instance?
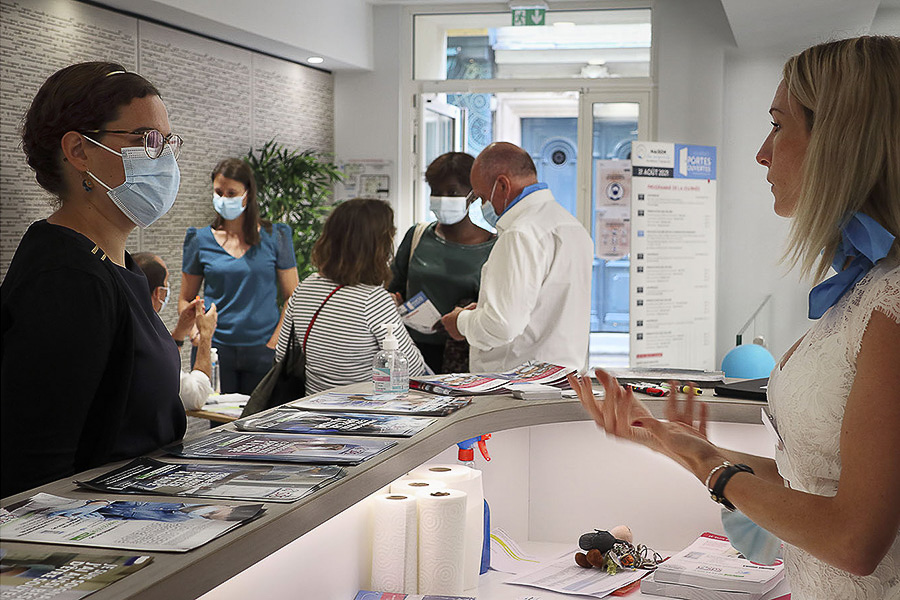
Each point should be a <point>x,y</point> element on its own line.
<point>245,262</point>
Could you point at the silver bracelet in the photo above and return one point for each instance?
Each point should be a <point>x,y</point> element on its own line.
<point>715,470</point>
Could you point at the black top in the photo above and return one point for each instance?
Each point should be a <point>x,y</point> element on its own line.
<point>88,372</point>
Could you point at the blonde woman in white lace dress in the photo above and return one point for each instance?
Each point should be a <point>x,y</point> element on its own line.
<point>833,491</point>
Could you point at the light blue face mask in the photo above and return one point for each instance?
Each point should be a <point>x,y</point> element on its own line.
<point>166,301</point>
<point>751,540</point>
<point>150,187</point>
<point>487,208</point>
<point>229,208</point>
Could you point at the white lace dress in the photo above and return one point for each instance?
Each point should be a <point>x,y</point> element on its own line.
<point>807,400</point>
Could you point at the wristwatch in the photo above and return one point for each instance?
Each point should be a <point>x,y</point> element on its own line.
<point>717,491</point>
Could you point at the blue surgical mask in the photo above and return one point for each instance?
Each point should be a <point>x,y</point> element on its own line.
<point>751,540</point>
<point>487,208</point>
<point>150,187</point>
<point>166,301</point>
<point>449,210</point>
<point>229,208</point>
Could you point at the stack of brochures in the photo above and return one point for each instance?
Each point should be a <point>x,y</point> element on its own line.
<point>320,423</point>
<point>270,483</point>
<point>456,384</point>
<point>711,569</point>
<point>413,403</point>
<point>702,379</point>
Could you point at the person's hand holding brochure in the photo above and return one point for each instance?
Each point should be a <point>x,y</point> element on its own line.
<point>124,524</point>
<point>419,313</point>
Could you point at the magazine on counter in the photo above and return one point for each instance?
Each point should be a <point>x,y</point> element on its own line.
<point>43,575</point>
<point>454,384</point>
<point>282,447</point>
<point>267,483</point>
<point>412,403</point>
<point>702,379</point>
<point>370,595</point>
<point>321,423</point>
<point>122,524</point>
<point>711,562</point>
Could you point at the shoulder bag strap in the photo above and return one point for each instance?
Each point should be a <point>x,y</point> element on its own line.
<point>316,315</point>
<point>416,238</point>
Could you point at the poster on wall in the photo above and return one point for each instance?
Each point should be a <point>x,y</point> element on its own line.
<point>367,178</point>
<point>612,208</point>
<point>673,256</point>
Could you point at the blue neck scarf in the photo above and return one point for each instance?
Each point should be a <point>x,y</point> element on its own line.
<point>863,240</point>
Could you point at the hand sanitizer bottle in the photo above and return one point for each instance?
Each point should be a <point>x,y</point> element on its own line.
<point>215,380</point>
<point>390,369</point>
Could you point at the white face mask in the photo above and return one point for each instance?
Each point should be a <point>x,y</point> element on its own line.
<point>166,300</point>
<point>449,210</point>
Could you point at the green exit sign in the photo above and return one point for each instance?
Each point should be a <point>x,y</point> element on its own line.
<point>528,17</point>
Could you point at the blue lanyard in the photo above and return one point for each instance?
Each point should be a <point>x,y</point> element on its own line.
<point>525,191</point>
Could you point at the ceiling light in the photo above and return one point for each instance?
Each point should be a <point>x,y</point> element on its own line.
<point>315,60</point>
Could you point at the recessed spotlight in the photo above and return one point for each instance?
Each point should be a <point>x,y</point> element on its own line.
<point>315,60</point>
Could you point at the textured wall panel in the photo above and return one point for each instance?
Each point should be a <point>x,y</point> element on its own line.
<point>220,99</point>
<point>37,38</point>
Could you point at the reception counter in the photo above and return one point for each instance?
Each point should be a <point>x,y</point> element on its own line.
<point>192,574</point>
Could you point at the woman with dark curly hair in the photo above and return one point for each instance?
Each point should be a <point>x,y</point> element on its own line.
<point>89,372</point>
<point>352,256</point>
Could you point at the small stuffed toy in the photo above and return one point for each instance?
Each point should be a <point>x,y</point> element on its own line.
<point>611,550</point>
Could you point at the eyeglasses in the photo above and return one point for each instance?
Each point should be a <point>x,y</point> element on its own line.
<point>154,141</point>
<point>472,196</point>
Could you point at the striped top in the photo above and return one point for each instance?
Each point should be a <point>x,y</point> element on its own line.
<point>347,333</point>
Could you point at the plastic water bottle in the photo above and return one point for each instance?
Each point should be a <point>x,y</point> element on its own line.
<point>214,379</point>
<point>390,369</point>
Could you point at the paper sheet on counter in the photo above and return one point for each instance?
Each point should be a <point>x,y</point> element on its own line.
<point>508,557</point>
<point>565,577</point>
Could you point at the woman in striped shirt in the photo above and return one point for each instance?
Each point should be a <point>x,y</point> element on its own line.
<point>352,257</point>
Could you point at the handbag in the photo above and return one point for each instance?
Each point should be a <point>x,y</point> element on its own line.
<point>286,380</point>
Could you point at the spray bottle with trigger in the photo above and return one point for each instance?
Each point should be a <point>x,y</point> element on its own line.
<point>466,455</point>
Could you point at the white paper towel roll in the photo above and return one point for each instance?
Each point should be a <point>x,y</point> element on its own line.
<point>464,479</point>
<point>416,487</point>
<point>395,543</point>
<point>442,517</point>
<point>447,473</point>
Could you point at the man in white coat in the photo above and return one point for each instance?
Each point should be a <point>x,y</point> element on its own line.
<point>535,297</point>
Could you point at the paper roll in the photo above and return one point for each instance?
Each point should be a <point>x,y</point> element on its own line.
<point>416,487</point>
<point>464,479</point>
<point>442,518</point>
<point>395,543</point>
<point>447,473</point>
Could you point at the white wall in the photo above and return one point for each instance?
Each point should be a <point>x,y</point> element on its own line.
<point>339,30</point>
<point>367,107</point>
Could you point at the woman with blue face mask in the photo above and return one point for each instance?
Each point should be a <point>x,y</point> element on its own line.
<point>89,372</point>
<point>243,263</point>
<point>443,259</point>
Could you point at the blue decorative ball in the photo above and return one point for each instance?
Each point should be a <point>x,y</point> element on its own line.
<point>748,361</point>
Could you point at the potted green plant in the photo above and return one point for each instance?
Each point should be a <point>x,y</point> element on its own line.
<point>294,187</point>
